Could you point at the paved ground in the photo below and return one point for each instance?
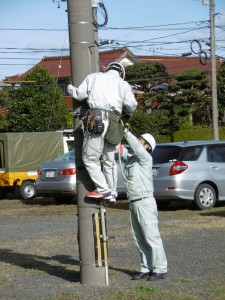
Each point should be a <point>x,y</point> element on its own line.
<point>39,256</point>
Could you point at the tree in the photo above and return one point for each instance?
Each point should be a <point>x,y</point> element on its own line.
<point>171,109</point>
<point>186,98</point>
<point>146,75</point>
<point>194,92</point>
<point>156,111</point>
<point>156,123</point>
<point>221,89</point>
<point>38,104</point>
<point>4,105</point>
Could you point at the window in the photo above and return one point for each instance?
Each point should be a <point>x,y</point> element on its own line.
<point>68,156</point>
<point>216,153</point>
<point>190,153</point>
<point>165,154</point>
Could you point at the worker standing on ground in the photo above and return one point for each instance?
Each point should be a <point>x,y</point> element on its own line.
<point>108,96</point>
<point>143,208</point>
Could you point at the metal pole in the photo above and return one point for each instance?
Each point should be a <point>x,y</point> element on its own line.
<point>93,265</point>
<point>213,73</point>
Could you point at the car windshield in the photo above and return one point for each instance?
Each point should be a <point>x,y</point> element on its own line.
<point>68,156</point>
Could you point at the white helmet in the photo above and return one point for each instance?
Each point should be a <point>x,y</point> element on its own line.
<point>118,67</point>
<point>149,139</point>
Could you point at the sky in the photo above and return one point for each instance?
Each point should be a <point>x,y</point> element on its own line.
<point>30,30</point>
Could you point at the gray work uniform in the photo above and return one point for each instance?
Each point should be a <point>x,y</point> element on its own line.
<point>143,208</point>
<point>109,93</point>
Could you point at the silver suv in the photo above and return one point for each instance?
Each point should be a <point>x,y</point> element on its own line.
<point>191,171</point>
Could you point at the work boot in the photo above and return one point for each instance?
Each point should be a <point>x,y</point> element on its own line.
<point>156,276</point>
<point>140,275</point>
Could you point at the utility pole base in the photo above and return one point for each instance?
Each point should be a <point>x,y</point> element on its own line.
<point>92,275</point>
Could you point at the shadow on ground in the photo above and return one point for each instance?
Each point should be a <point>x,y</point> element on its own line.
<point>40,263</point>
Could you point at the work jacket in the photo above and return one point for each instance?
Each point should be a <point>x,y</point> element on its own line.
<point>137,170</point>
<point>106,91</point>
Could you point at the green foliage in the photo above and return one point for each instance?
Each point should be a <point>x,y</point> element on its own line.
<point>3,123</point>
<point>142,123</point>
<point>157,123</point>
<point>221,89</point>
<point>38,105</point>
<point>193,84</point>
<point>143,292</point>
<point>4,106</point>
<point>184,280</point>
<point>186,100</point>
<point>190,74</point>
<point>195,133</point>
<point>146,75</point>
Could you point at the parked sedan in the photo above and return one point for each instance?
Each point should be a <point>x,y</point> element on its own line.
<point>190,171</point>
<point>58,178</point>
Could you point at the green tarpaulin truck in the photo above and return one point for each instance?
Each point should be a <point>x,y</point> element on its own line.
<point>20,156</point>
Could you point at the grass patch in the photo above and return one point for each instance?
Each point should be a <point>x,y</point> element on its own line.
<point>218,288</point>
<point>66,296</point>
<point>137,293</point>
<point>184,280</point>
<point>34,207</point>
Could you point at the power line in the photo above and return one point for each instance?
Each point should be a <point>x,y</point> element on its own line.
<point>27,58</point>
<point>106,28</point>
<point>155,26</point>
<point>31,29</point>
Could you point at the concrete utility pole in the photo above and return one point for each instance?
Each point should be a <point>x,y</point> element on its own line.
<point>213,72</point>
<point>91,216</point>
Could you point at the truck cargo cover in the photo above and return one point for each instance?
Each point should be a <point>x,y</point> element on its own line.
<point>25,151</point>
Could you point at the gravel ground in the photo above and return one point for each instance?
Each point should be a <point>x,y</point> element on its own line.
<point>39,256</point>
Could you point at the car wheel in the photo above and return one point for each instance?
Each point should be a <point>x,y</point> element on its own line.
<point>28,190</point>
<point>205,196</point>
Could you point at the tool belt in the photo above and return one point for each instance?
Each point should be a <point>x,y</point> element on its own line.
<point>93,122</point>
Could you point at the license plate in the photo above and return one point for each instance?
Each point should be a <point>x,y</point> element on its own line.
<point>32,173</point>
<point>50,174</point>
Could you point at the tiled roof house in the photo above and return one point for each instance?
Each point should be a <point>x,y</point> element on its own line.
<point>59,66</point>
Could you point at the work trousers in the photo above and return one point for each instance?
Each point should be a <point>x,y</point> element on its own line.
<point>144,224</point>
<point>99,160</point>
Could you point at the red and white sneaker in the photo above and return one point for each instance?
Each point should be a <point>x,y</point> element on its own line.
<point>94,194</point>
<point>107,196</point>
